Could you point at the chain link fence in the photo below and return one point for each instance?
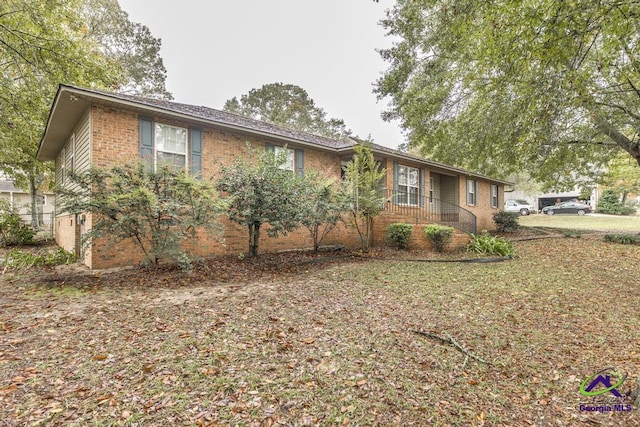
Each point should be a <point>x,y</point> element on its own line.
<point>43,223</point>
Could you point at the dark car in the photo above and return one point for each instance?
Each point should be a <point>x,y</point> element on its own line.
<point>567,208</point>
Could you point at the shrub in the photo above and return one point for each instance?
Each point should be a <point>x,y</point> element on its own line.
<point>610,203</point>
<point>623,239</point>
<point>399,234</point>
<point>506,221</point>
<point>19,260</point>
<point>158,211</point>
<point>439,235</point>
<point>487,244</point>
<point>13,231</point>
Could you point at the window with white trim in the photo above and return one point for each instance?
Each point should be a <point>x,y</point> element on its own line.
<point>472,192</point>
<point>289,164</point>
<point>170,146</point>
<point>494,196</point>
<point>408,185</point>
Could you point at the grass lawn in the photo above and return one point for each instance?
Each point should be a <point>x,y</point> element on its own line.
<point>627,224</point>
<point>326,344</point>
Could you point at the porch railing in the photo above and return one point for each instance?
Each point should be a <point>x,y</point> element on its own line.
<point>430,210</point>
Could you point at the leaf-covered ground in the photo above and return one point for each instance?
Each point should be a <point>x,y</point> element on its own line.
<point>292,340</point>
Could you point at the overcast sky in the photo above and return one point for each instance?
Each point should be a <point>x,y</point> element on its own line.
<point>215,50</point>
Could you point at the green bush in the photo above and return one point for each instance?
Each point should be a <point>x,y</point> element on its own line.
<point>487,244</point>
<point>506,221</point>
<point>399,234</point>
<point>13,231</point>
<point>623,239</point>
<point>610,203</point>
<point>439,235</point>
<point>20,260</point>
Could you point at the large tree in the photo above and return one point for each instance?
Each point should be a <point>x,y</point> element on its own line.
<point>128,44</point>
<point>44,43</point>
<point>287,105</point>
<point>547,86</point>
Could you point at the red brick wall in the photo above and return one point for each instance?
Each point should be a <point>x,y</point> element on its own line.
<point>65,232</point>
<point>115,141</point>
<point>418,239</point>
<point>482,210</point>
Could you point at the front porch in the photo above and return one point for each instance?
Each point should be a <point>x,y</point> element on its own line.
<point>420,209</point>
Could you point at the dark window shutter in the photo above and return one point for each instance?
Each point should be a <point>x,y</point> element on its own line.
<point>299,166</point>
<point>145,129</point>
<point>395,182</point>
<point>422,188</point>
<point>195,143</point>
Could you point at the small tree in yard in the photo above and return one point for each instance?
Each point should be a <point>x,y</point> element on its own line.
<point>362,193</point>
<point>321,206</point>
<point>610,203</point>
<point>158,211</point>
<point>262,193</point>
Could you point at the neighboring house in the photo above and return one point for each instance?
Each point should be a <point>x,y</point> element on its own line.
<point>21,201</point>
<point>88,128</point>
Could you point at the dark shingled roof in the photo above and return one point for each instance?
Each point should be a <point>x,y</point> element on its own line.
<point>9,187</point>
<point>223,117</point>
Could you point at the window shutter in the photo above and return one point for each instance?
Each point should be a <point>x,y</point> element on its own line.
<point>270,148</point>
<point>145,130</point>
<point>195,143</point>
<point>299,166</point>
<point>422,188</point>
<point>395,182</point>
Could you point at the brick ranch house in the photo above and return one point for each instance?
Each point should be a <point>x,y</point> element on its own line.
<point>91,128</point>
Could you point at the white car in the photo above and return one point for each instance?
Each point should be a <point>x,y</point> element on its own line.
<point>521,206</point>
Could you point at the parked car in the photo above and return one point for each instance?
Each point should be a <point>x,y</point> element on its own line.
<point>567,208</point>
<point>521,206</point>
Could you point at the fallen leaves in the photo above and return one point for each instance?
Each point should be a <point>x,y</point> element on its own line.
<point>267,344</point>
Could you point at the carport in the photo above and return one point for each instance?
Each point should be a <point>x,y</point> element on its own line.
<point>550,199</point>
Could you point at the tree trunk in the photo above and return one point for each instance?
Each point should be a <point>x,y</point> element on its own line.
<point>366,238</point>
<point>35,224</point>
<point>254,238</point>
<point>315,237</point>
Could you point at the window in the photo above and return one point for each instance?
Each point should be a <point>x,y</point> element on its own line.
<point>288,165</point>
<point>171,146</point>
<point>41,200</point>
<point>494,196</point>
<point>408,190</point>
<point>472,192</point>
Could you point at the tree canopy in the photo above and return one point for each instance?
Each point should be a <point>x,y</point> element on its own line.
<point>287,105</point>
<point>548,87</point>
<point>82,42</point>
